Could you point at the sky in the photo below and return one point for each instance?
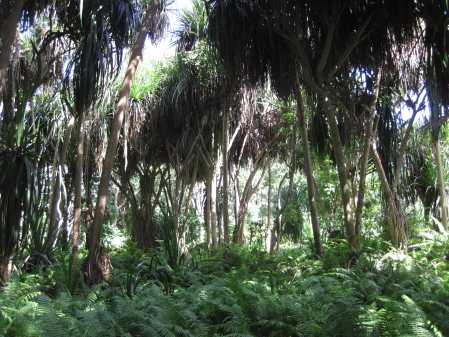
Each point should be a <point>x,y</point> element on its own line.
<point>164,49</point>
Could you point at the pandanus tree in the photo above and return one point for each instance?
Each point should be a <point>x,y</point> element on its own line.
<point>241,104</point>
<point>174,141</point>
<point>28,142</point>
<point>100,30</point>
<point>182,131</point>
<point>191,34</point>
<point>153,23</point>
<point>427,70</point>
<point>313,44</point>
<point>436,40</point>
<point>179,128</point>
<point>96,33</point>
<point>255,141</point>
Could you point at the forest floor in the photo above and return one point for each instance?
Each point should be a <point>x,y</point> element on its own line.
<point>240,292</point>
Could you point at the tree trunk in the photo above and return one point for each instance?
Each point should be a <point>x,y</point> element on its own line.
<point>396,220</point>
<point>78,185</point>
<point>440,181</point>
<point>269,212</point>
<point>213,209</point>
<point>248,191</point>
<point>207,215</point>
<point>362,179</point>
<point>5,269</point>
<point>220,223</point>
<point>88,185</point>
<point>236,199</point>
<point>345,183</point>
<point>63,240</point>
<point>8,31</point>
<point>188,203</point>
<point>274,237</point>
<point>54,211</point>
<point>108,163</point>
<point>57,195</point>
<point>224,149</point>
<point>365,155</point>
<point>239,232</point>
<point>145,231</point>
<point>308,170</point>
<point>435,112</point>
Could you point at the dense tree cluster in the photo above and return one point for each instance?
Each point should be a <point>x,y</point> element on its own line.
<point>276,123</point>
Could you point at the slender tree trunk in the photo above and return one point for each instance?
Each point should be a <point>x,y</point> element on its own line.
<point>213,209</point>
<point>78,185</point>
<point>239,232</point>
<point>435,111</point>
<point>54,211</point>
<point>108,163</point>
<point>277,240</point>
<point>362,180</point>
<point>220,223</point>
<point>188,203</point>
<point>248,191</point>
<point>396,220</point>
<point>147,239</point>
<point>224,149</point>
<point>365,156</point>
<point>88,194</point>
<point>144,233</point>
<point>308,169</point>
<point>8,30</point>
<point>440,181</point>
<point>236,199</point>
<point>177,202</point>
<point>345,183</point>
<point>55,198</point>
<point>269,211</point>
<point>276,236</point>
<point>279,209</point>
<point>57,195</point>
<point>207,216</point>
<point>63,240</point>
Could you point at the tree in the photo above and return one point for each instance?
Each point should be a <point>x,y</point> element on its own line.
<point>311,189</point>
<point>320,43</point>
<point>153,24</point>
<point>434,13</point>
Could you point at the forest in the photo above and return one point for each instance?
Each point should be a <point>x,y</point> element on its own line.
<point>281,172</point>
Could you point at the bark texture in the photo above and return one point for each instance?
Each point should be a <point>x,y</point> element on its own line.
<point>78,185</point>
<point>225,179</point>
<point>396,219</point>
<point>308,170</point>
<point>345,182</point>
<point>440,182</point>
<point>213,210</point>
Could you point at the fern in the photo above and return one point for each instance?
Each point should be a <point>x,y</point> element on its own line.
<point>297,300</point>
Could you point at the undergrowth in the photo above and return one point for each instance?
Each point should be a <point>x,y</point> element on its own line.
<point>241,292</point>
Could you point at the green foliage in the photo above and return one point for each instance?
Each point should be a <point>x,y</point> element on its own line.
<point>146,82</point>
<point>239,292</point>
